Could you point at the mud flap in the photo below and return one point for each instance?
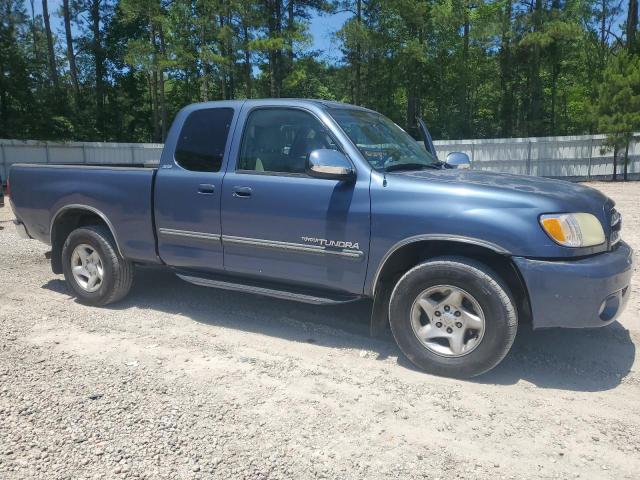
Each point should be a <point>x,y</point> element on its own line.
<point>379,324</point>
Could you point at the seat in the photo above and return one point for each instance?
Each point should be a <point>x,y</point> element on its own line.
<point>267,151</point>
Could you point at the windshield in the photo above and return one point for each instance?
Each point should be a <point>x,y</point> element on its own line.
<point>384,144</point>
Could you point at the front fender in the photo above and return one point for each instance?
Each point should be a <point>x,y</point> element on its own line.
<point>453,239</point>
<point>407,208</point>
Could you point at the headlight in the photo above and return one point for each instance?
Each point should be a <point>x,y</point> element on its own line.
<point>573,229</point>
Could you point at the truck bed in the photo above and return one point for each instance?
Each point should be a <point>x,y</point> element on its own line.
<point>121,193</point>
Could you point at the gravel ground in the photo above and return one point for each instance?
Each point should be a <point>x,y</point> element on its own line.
<point>180,381</point>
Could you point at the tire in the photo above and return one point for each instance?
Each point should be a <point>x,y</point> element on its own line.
<point>117,273</point>
<point>482,308</point>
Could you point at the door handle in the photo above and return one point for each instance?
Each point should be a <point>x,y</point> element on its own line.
<point>206,189</point>
<point>242,192</point>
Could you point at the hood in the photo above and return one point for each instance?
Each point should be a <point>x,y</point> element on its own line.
<point>563,195</point>
<point>499,208</point>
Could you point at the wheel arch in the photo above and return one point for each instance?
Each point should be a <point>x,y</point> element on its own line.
<point>67,219</point>
<point>411,252</point>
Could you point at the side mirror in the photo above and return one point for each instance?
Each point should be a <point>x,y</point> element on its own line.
<point>458,160</point>
<point>329,164</point>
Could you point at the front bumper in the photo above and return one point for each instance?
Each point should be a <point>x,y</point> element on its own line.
<point>591,292</point>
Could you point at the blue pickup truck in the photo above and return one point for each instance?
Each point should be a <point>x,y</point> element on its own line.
<point>323,202</point>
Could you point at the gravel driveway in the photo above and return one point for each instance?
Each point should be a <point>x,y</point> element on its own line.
<point>180,381</point>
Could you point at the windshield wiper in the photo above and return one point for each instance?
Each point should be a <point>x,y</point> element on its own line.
<point>411,166</point>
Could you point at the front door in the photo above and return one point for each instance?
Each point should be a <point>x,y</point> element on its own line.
<point>188,189</point>
<point>279,223</point>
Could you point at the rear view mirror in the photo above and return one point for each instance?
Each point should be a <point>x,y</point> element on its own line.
<point>329,164</point>
<point>458,160</point>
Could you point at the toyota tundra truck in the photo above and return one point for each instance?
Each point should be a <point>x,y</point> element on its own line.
<point>325,203</point>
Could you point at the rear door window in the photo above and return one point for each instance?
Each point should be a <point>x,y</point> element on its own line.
<point>203,139</point>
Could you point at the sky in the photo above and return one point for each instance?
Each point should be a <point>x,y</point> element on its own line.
<point>321,27</point>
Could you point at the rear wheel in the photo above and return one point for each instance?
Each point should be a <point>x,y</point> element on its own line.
<point>453,316</point>
<point>92,267</point>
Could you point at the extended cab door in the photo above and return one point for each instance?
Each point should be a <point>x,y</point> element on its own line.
<point>280,224</point>
<point>188,187</point>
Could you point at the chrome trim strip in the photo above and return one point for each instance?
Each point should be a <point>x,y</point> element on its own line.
<point>189,234</point>
<point>331,170</point>
<point>297,247</point>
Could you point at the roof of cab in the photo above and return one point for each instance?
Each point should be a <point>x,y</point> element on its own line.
<point>274,101</point>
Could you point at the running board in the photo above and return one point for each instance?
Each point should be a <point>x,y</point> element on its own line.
<point>296,296</point>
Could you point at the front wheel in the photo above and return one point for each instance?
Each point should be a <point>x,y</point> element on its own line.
<point>92,267</point>
<point>453,316</point>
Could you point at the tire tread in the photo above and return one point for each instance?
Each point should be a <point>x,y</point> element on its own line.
<point>486,274</point>
<point>123,270</point>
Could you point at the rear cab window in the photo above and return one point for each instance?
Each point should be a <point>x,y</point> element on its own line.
<point>203,139</point>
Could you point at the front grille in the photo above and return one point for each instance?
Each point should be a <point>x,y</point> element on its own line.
<point>616,226</point>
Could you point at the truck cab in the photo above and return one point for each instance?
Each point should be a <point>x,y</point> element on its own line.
<point>324,203</point>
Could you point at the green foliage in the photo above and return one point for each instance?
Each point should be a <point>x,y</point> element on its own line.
<point>487,68</point>
<point>618,108</point>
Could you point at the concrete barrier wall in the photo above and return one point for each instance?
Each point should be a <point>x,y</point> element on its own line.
<point>577,157</point>
<point>29,151</point>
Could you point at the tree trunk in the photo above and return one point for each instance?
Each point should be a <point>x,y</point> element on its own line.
<point>413,83</point>
<point>155,111</point>
<point>98,56</point>
<point>163,105</point>
<point>555,70</point>
<point>626,159</point>
<point>53,71</point>
<point>223,65</point>
<point>390,82</point>
<point>273,23</point>
<point>151,86</point>
<point>506,73</point>
<point>465,95</point>
<point>291,11</point>
<point>278,52</point>
<point>155,117</point>
<point>535,107</point>
<point>3,98</point>
<point>632,27</point>
<point>34,36</point>
<point>615,162</point>
<point>73,69</point>
<point>232,59</point>
<point>603,34</point>
<point>204,80</point>
<point>357,61</point>
<point>248,80</point>
<point>412,110</point>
